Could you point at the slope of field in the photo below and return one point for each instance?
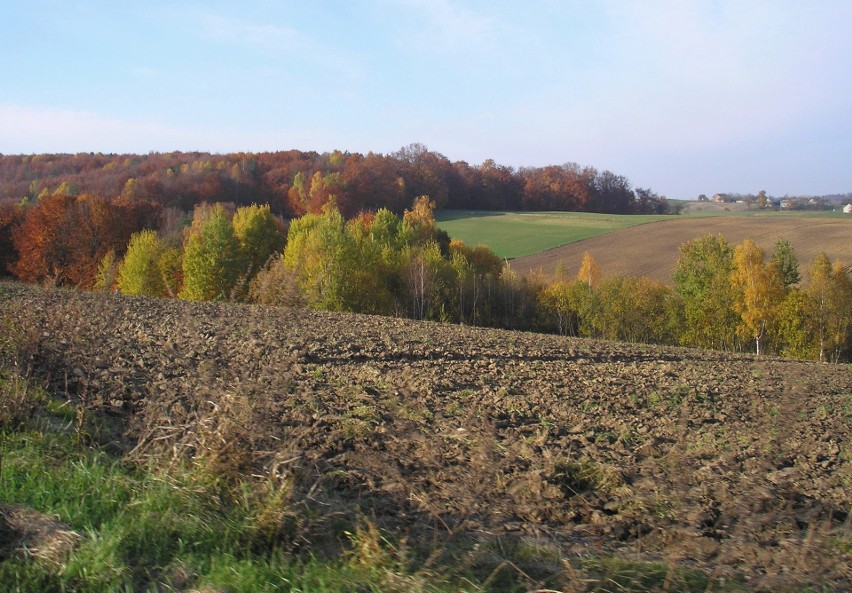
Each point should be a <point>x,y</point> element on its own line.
<point>731,465</point>
<point>518,234</point>
<point>652,249</point>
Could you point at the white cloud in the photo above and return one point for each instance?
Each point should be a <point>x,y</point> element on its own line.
<point>36,129</point>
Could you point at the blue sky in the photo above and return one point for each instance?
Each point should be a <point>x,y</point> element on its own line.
<point>685,97</point>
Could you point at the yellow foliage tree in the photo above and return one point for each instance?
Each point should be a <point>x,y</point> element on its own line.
<point>590,272</point>
<point>759,291</point>
<point>830,291</point>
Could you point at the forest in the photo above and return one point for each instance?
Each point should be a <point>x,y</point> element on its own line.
<point>345,232</point>
<point>294,182</point>
<point>724,297</point>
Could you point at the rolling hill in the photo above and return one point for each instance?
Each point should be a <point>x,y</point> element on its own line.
<point>505,449</point>
<point>652,249</point>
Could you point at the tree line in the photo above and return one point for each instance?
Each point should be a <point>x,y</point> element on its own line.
<point>295,182</point>
<point>733,298</point>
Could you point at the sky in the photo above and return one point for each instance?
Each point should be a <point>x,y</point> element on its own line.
<point>681,96</point>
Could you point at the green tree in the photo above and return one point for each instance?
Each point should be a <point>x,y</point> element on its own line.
<point>784,257</point>
<point>820,289</point>
<point>794,331</point>
<point>702,279</point>
<point>139,273</point>
<point>318,250</point>
<point>565,302</point>
<point>387,230</point>
<point>259,236</point>
<point>477,273</point>
<point>631,309</point>
<point>212,262</point>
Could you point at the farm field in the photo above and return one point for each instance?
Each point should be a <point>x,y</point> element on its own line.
<point>652,249</point>
<point>406,451</point>
<point>518,234</point>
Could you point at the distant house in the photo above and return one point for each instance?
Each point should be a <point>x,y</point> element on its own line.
<point>721,198</point>
<point>847,209</point>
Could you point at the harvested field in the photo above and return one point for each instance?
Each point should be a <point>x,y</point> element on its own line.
<point>652,249</point>
<point>736,466</point>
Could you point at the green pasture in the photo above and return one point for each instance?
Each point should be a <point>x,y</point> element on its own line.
<point>516,234</point>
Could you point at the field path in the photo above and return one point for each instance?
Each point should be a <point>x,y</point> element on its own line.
<point>652,249</point>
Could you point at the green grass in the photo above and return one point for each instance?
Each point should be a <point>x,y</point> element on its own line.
<point>516,234</point>
<point>168,528</point>
<point>148,530</point>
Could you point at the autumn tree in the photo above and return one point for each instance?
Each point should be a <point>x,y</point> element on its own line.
<point>589,272</point>
<point>325,187</point>
<point>758,291</point>
<point>212,262</point>
<point>830,291</point>
<point>841,325</point>
<point>372,182</point>
<point>423,172</point>
<point>11,215</point>
<point>41,240</point>
<point>494,187</point>
<point>567,303</point>
<point>421,218</point>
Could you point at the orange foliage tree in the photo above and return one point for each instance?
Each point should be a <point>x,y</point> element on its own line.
<point>63,238</point>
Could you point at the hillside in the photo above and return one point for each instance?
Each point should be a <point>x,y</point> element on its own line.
<point>519,234</point>
<point>456,437</point>
<point>652,249</point>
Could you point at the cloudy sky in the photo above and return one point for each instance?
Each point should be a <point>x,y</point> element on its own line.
<point>683,96</point>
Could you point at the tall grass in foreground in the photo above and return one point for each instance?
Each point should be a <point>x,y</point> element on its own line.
<point>152,531</point>
<point>148,529</point>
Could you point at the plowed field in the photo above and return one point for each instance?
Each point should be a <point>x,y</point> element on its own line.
<point>730,464</point>
<point>652,249</point>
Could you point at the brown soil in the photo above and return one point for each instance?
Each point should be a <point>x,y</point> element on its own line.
<point>652,249</point>
<point>729,463</point>
<point>27,532</point>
